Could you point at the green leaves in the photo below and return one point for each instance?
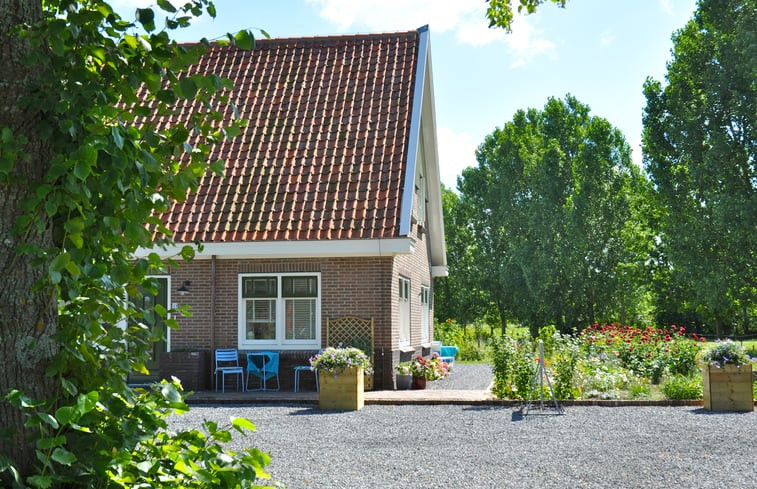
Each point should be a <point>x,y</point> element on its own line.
<point>699,151</point>
<point>100,173</point>
<point>541,219</point>
<point>244,39</point>
<point>146,17</point>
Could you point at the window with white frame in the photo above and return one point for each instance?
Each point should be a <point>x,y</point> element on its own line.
<point>279,310</point>
<point>404,310</point>
<point>425,309</point>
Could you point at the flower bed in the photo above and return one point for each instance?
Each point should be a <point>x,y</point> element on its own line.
<point>606,361</point>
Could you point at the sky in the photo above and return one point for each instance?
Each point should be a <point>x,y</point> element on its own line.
<point>600,51</point>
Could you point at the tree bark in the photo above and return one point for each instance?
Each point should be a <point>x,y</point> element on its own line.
<point>28,313</point>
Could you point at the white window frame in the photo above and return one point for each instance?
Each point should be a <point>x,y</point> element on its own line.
<point>403,296</point>
<point>425,313</point>
<point>279,342</point>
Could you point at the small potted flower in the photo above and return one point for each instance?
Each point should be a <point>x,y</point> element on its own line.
<point>425,369</point>
<point>404,372</point>
<point>727,378</point>
<point>340,377</point>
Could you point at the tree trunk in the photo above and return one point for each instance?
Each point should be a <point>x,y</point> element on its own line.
<point>28,315</point>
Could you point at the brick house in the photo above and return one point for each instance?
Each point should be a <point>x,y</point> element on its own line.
<point>329,206</point>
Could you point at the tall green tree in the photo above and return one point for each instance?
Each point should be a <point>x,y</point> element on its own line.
<point>459,296</point>
<point>83,172</point>
<point>700,149</point>
<point>552,216</point>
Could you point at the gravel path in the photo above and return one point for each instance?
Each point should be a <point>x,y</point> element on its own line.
<point>465,376</point>
<point>496,447</point>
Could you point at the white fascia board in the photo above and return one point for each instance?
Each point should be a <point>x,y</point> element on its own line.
<point>408,191</point>
<point>440,271</point>
<point>434,211</point>
<point>294,249</point>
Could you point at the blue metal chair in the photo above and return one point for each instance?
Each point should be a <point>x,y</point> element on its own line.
<point>265,366</point>
<point>304,368</point>
<point>227,363</point>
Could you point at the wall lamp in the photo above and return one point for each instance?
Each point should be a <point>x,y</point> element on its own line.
<point>184,289</point>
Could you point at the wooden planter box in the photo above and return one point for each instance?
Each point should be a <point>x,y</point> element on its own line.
<point>728,388</point>
<point>191,367</point>
<point>343,392</point>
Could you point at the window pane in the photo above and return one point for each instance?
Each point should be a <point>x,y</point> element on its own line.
<point>299,287</point>
<point>261,319</point>
<point>300,319</point>
<point>259,287</point>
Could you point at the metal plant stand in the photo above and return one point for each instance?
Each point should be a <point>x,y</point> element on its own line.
<point>537,384</point>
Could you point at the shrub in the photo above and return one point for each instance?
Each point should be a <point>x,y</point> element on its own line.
<point>514,367</point>
<point>565,360</point>
<point>681,387</point>
<point>639,389</point>
<point>471,343</point>
<point>503,350</point>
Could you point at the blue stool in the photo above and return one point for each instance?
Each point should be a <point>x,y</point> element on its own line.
<point>303,368</point>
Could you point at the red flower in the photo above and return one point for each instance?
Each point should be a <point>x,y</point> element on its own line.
<point>702,339</point>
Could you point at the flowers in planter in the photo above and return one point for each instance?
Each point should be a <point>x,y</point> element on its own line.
<point>334,360</point>
<point>727,353</point>
<point>429,368</point>
<point>404,368</point>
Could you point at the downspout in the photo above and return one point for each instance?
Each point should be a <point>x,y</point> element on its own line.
<point>212,312</point>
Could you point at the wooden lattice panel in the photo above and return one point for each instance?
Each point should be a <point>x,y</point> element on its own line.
<point>350,331</point>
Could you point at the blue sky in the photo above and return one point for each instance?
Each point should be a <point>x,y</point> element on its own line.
<point>600,51</point>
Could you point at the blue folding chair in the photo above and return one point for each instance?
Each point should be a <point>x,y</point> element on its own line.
<point>265,366</point>
<point>227,363</point>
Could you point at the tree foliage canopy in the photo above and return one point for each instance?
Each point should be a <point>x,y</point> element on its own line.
<point>500,12</point>
<point>552,216</point>
<point>700,149</point>
<point>83,172</point>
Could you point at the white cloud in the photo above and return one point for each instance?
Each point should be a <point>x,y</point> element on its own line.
<point>477,33</point>
<point>526,42</point>
<point>457,151</point>
<point>391,15</point>
<point>465,18</point>
<point>666,6</point>
<point>606,39</point>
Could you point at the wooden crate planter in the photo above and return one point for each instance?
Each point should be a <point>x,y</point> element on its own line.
<point>728,388</point>
<point>343,392</point>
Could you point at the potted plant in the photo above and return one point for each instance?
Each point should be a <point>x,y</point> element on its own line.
<point>727,378</point>
<point>425,369</point>
<point>340,377</point>
<point>404,372</point>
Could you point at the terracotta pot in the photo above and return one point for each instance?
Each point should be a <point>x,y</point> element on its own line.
<point>419,383</point>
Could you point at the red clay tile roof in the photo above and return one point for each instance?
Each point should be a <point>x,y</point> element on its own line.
<point>323,156</point>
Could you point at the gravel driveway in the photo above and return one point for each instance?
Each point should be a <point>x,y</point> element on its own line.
<point>496,447</point>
